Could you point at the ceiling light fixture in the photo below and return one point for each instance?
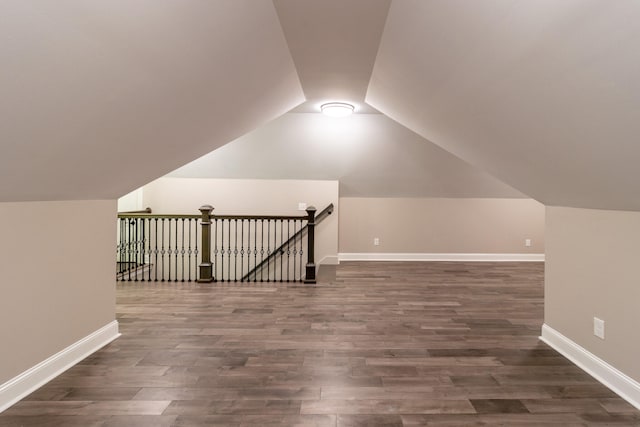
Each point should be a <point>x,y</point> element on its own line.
<point>337,109</point>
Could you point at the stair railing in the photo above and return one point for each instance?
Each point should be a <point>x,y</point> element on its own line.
<point>208,247</point>
<point>312,221</point>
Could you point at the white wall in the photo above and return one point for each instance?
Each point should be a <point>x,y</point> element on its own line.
<point>58,278</point>
<point>131,201</point>
<point>592,270</point>
<point>248,196</point>
<point>441,225</point>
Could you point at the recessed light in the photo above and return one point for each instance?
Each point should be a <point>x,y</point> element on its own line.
<point>337,109</point>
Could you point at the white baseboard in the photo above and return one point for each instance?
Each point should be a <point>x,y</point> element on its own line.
<point>621,384</point>
<point>374,256</point>
<point>35,377</point>
<point>330,260</point>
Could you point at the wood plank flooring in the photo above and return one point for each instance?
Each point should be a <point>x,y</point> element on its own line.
<point>373,344</point>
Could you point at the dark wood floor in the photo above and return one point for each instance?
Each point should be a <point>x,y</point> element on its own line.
<point>373,344</point>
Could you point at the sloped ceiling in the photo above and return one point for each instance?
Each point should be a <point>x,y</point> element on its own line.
<point>333,44</point>
<point>370,154</point>
<point>543,94</point>
<point>99,97</point>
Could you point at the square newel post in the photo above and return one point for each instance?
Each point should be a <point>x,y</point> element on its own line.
<point>205,267</point>
<point>310,276</point>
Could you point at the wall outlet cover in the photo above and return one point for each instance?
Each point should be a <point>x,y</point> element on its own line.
<point>598,327</point>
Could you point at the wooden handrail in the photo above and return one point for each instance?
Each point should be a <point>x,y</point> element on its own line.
<point>280,250</point>
<point>143,211</point>
<point>324,213</point>
<point>144,214</point>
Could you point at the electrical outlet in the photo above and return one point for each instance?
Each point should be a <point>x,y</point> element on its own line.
<point>527,242</point>
<point>376,241</point>
<point>302,206</point>
<point>598,327</point>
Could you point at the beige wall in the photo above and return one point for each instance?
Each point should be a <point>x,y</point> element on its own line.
<point>250,196</point>
<point>592,270</point>
<point>363,151</point>
<point>58,262</point>
<point>441,225</point>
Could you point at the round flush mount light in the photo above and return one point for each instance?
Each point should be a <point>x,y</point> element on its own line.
<point>337,109</point>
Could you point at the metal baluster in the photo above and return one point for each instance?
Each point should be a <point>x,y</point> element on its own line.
<point>119,239</point>
<point>268,246</point>
<point>132,239</point>
<point>295,249</point>
<point>195,252</point>
<point>241,249</point>
<point>135,249</point>
<point>288,248</point>
<point>255,249</point>
<point>235,252</point>
<point>169,250</point>
<point>120,252</point>
<point>141,246</point>
<point>135,246</point>
<point>261,248</point>
<point>275,246</point>
<point>162,251</point>
<point>148,222</point>
<point>222,249</point>
<point>129,249</point>
<point>229,249</point>
<point>189,221</point>
<point>155,267</point>
<point>138,249</point>
<point>143,249</point>
<point>118,225</point>
<point>215,248</point>
<point>175,249</point>
<point>138,246</point>
<point>249,248</point>
<point>175,253</point>
<point>182,249</point>
<point>281,253</point>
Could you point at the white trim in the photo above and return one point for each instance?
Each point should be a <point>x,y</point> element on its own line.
<point>330,260</point>
<point>373,256</point>
<point>621,384</point>
<point>37,376</point>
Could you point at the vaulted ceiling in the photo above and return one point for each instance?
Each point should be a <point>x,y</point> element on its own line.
<point>369,154</point>
<point>543,94</point>
<point>99,97</point>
